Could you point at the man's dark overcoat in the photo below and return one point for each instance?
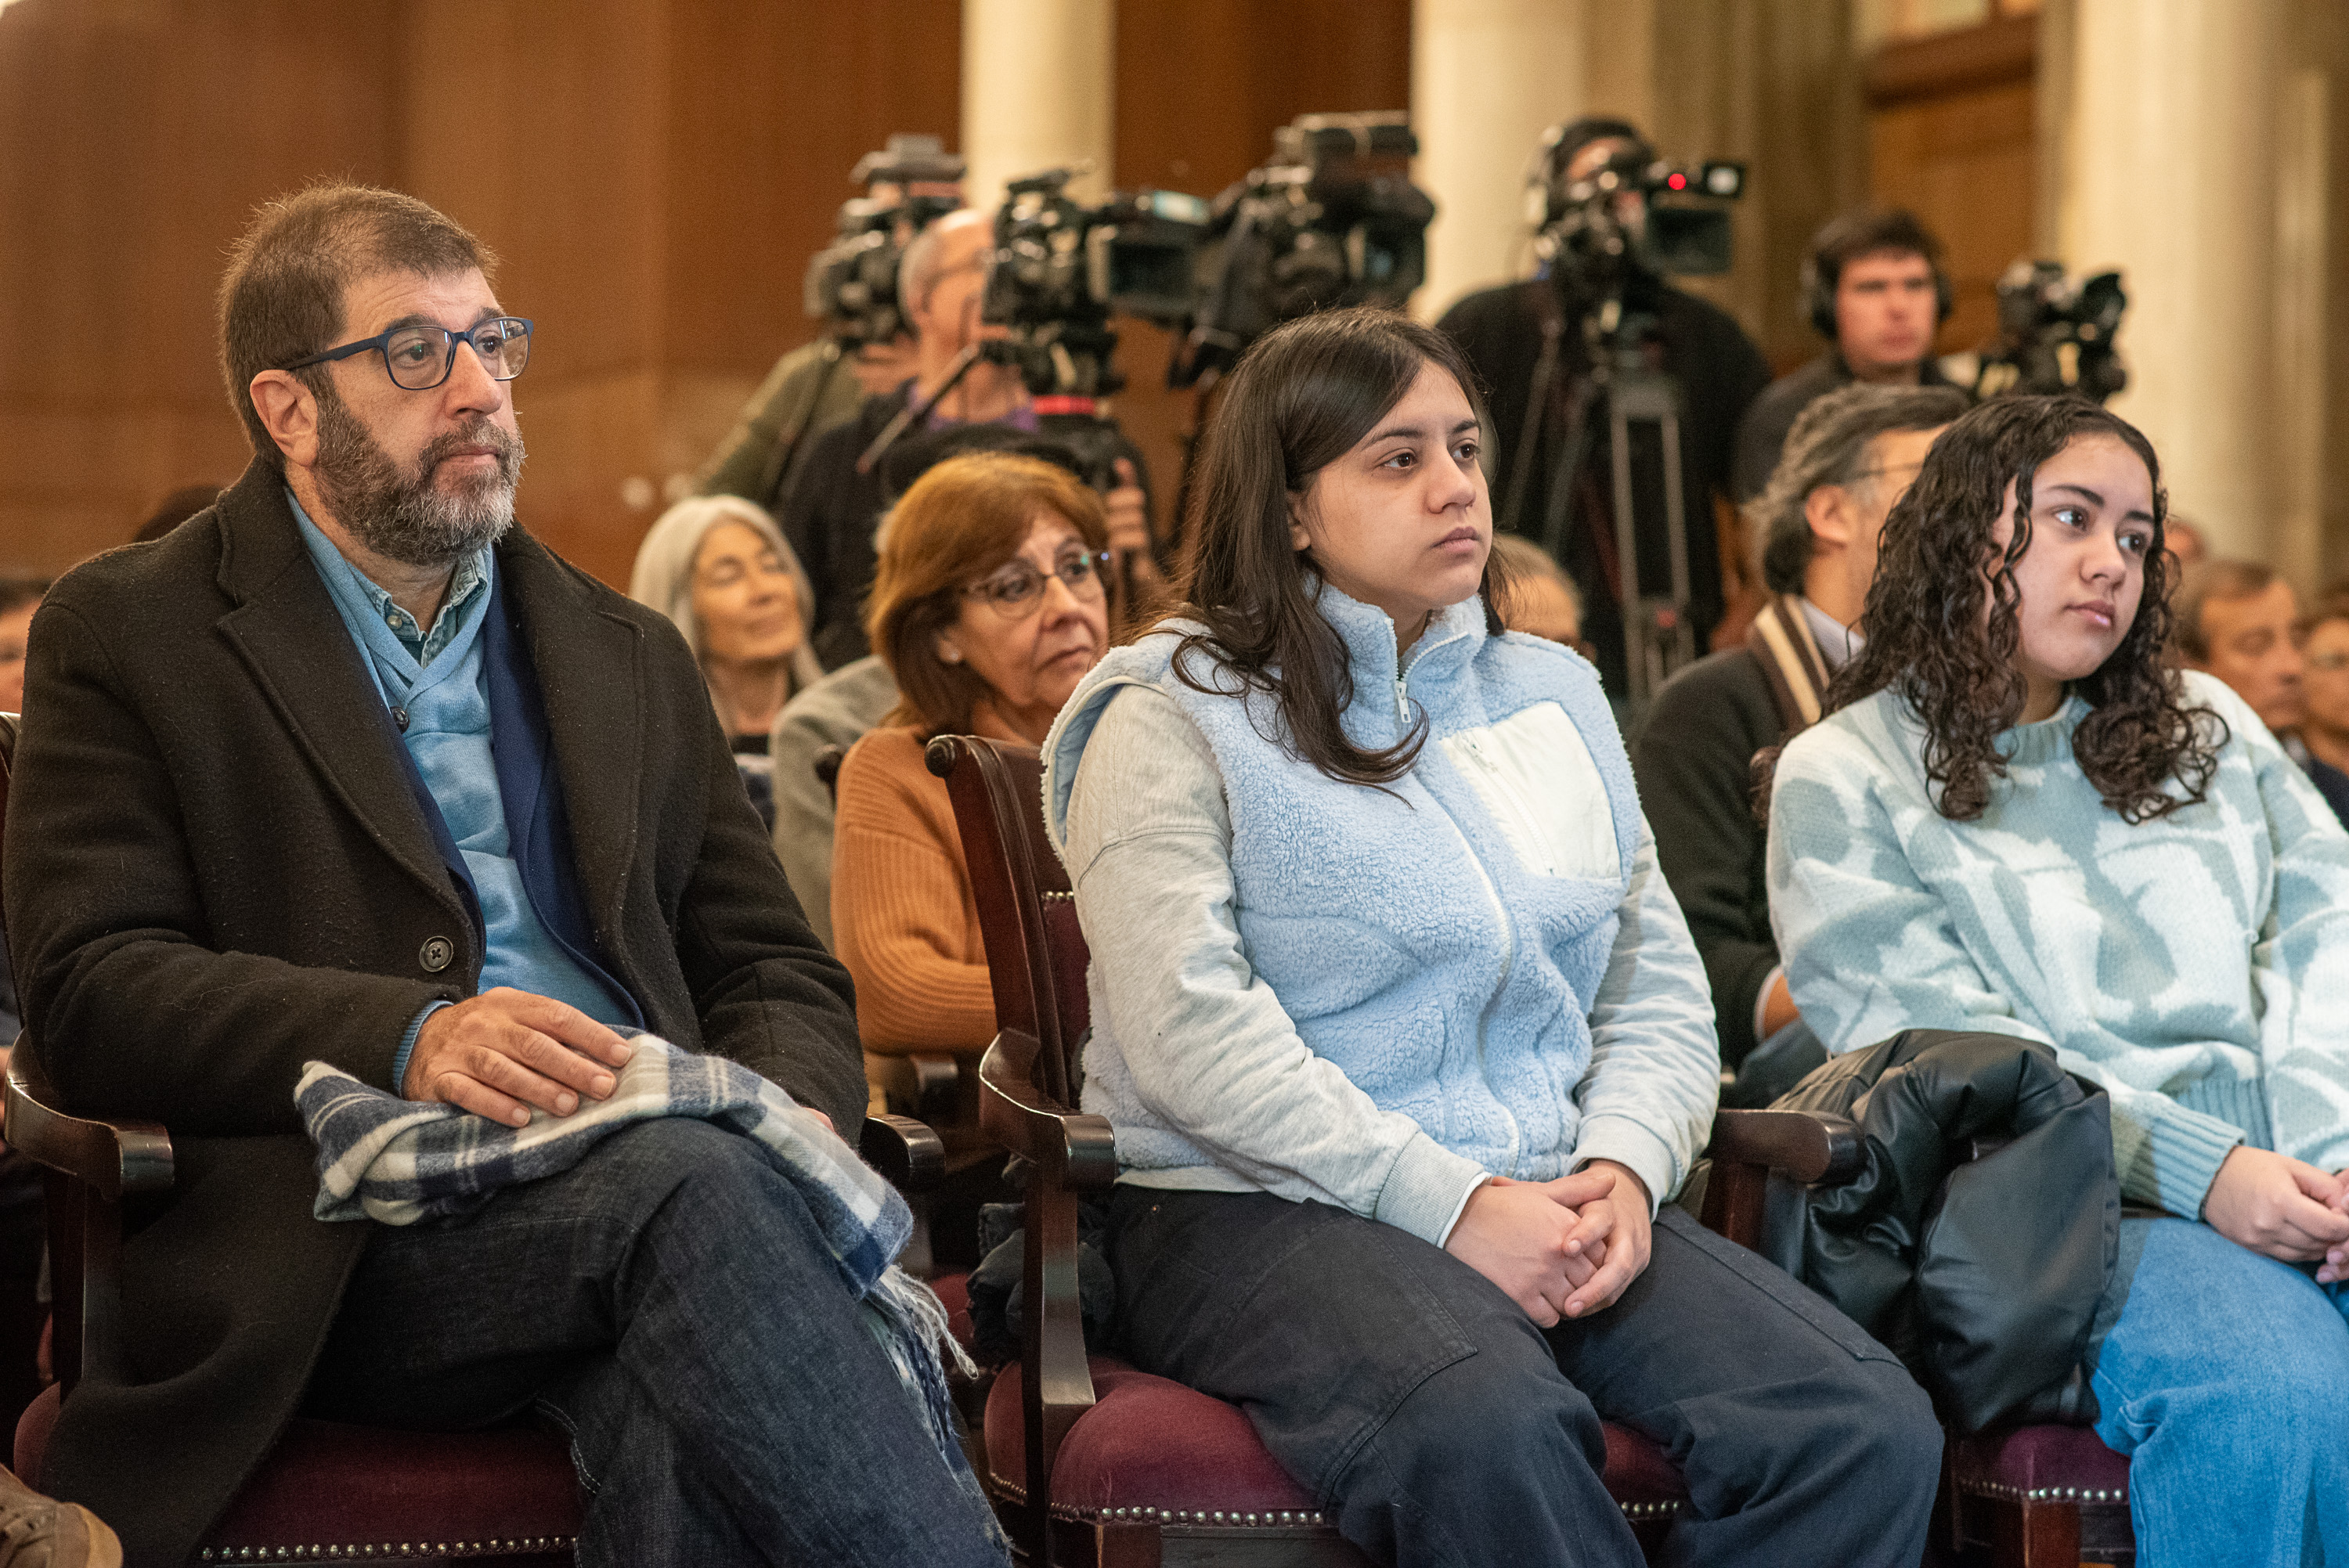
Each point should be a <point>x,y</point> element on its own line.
<point>216,871</point>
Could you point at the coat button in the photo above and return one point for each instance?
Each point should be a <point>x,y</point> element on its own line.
<point>436,953</point>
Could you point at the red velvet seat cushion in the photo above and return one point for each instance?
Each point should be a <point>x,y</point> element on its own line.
<point>952,1291</point>
<point>330,1482</point>
<point>334,1485</point>
<point>1149,1442</point>
<point>2037,1459</point>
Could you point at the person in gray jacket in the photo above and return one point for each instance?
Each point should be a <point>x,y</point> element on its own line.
<point>1403,1036</point>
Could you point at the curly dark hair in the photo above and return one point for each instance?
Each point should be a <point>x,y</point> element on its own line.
<point>1300,398</point>
<point>1941,630</point>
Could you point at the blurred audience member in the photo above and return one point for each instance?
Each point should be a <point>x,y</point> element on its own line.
<point>1543,600</point>
<point>835,711</point>
<point>2184,541</point>
<point>2239,620</point>
<point>830,511</point>
<point>1873,285</point>
<point>2322,743</point>
<point>990,605</point>
<point>718,566</point>
<point>174,510</point>
<point>1525,343</point>
<point>21,1241</point>
<point>19,597</point>
<point>1848,460</point>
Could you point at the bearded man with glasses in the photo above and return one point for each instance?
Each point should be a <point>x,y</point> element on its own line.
<point>349,768</point>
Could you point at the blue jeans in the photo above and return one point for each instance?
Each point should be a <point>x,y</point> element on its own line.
<point>2226,1379</point>
<point>1440,1427</point>
<point>669,1302</point>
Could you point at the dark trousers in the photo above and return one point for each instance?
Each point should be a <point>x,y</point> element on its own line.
<point>1438,1425</point>
<point>669,1302</point>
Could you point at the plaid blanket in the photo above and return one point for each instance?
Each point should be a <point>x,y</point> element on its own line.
<point>399,1161</point>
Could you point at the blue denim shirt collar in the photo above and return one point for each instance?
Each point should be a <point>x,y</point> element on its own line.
<point>363,604</point>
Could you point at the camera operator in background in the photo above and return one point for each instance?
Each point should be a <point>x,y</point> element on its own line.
<point>820,385</point>
<point>1874,285</point>
<point>1720,371</point>
<point>836,502</point>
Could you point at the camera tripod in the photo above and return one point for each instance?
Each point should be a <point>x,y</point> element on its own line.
<point>1640,408</point>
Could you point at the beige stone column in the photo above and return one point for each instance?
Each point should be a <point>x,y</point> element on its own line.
<point>1486,76</point>
<point>2170,175</point>
<point>1037,83</point>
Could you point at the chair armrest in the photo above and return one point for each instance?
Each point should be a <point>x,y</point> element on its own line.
<point>1074,1151</point>
<point>922,1085</point>
<point>114,1158</point>
<point>1805,1146</point>
<point>905,1150</point>
<point>1808,1146</point>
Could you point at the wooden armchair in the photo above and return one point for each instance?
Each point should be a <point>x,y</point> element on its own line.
<point>330,1491</point>
<point>1090,1460</point>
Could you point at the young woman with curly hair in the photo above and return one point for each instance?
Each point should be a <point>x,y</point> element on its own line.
<point>2015,818</point>
<point>1403,1039</point>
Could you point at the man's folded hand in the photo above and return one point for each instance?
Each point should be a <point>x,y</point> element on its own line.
<point>504,1051</point>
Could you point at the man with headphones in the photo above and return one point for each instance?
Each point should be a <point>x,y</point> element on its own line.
<point>1531,395</point>
<point>1874,285</point>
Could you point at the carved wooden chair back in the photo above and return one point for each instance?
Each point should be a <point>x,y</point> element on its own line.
<point>1036,952</point>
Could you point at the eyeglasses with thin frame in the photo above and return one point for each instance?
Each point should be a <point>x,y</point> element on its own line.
<point>419,356</point>
<point>1016,592</point>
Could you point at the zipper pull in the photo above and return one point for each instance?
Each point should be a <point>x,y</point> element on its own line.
<point>1403,705</point>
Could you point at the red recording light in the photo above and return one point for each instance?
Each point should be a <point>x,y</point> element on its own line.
<point>1678,181</point>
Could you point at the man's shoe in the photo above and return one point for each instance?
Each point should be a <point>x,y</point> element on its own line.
<point>38,1532</point>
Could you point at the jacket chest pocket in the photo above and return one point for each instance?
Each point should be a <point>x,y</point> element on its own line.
<point>1535,778</point>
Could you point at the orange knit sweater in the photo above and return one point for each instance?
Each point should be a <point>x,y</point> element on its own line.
<point>903,916</point>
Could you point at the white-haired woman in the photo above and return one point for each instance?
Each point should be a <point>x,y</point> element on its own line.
<point>718,566</point>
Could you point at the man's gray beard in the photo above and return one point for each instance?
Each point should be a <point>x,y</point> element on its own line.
<point>404,517</point>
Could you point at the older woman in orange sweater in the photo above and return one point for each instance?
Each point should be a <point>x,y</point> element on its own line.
<point>988,605</point>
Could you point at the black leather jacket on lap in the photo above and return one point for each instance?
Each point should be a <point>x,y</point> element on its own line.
<point>1981,1274</point>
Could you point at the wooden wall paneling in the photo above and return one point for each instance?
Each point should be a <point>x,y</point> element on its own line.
<point>1953,136</point>
<point>1201,87</point>
<point>770,108</point>
<point>562,171</point>
<point>135,136</point>
<point>1963,162</point>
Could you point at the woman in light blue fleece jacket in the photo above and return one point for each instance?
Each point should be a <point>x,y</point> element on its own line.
<point>1403,1039</point>
<point>2015,818</point>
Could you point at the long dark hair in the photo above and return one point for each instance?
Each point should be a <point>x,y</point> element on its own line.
<point>1298,401</point>
<point>1941,630</point>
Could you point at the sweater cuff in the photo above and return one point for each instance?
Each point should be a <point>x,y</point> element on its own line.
<point>408,1044</point>
<point>2173,1166</point>
<point>1426,1188</point>
<point>1629,1144</point>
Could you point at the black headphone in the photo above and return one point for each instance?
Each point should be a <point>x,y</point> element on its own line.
<point>1854,235</point>
<point>1545,180</point>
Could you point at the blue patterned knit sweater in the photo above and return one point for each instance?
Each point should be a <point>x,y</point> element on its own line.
<point>2197,966</point>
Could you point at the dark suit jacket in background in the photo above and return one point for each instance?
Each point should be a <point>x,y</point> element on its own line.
<point>217,872</point>
<point>1693,756</point>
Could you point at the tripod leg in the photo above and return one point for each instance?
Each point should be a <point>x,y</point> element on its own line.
<point>1636,637</point>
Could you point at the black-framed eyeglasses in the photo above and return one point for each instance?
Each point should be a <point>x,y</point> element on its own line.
<point>419,356</point>
<point>1017,590</point>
